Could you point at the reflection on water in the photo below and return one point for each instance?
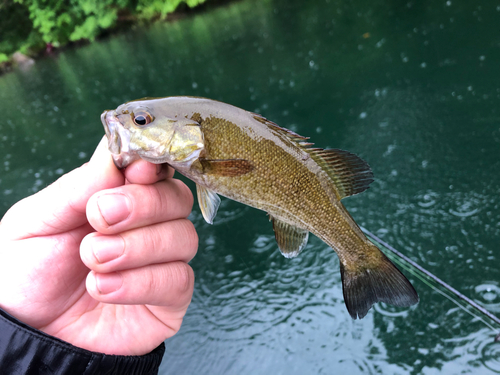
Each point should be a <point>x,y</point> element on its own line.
<point>408,86</point>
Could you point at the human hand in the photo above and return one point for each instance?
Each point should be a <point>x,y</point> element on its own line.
<point>99,258</point>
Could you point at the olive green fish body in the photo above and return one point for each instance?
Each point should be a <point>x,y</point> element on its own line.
<point>228,151</point>
<point>285,181</point>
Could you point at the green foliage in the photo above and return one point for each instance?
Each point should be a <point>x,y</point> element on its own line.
<point>16,29</point>
<point>29,25</point>
<point>148,9</point>
<point>61,21</point>
<point>151,8</point>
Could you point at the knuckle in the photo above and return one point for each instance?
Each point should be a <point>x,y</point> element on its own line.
<point>158,200</point>
<point>171,197</point>
<point>153,239</point>
<point>173,283</point>
<point>182,277</point>
<point>180,240</point>
<point>153,283</point>
<point>190,237</point>
<point>184,195</point>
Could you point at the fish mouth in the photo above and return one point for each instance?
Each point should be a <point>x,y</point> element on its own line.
<point>118,139</point>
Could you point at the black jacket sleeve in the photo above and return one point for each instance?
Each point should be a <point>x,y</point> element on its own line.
<point>25,350</point>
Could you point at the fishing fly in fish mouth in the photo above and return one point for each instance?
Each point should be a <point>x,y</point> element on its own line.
<point>241,155</point>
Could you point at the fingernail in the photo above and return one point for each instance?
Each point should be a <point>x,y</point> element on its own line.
<point>106,248</point>
<point>158,169</point>
<point>114,207</point>
<point>108,282</point>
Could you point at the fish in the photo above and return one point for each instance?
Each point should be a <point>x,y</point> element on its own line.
<point>243,156</point>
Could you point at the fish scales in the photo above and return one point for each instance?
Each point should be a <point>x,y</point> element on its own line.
<point>284,179</point>
<point>231,152</point>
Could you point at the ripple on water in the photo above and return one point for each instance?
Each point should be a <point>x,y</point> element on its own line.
<point>249,307</point>
<point>490,356</point>
<point>488,294</point>
<point>293,309</point>
<point>428,199</point>
<point>238,302</point>
<point>476,350</point>
<point>466,206</point>
<point>263,243</point>
<point>392,311</point>
<point>229,308</point>
<point>330,324</point>
<point>346,366</point>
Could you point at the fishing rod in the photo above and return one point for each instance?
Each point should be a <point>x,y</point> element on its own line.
<point>435,278</point>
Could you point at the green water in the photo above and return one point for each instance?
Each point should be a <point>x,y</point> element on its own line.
<point>412,87</point>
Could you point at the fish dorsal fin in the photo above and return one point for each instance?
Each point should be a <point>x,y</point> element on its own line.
<point>291,240</point>
<point>284,131</point>
<point>209,203</point>
<point>349,173</point>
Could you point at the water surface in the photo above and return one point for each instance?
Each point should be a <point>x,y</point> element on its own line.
<point>411,87</point>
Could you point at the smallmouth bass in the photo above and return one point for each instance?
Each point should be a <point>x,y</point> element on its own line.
<point>245,157</point>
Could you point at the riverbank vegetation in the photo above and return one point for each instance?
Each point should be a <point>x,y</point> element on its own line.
<point>30,27</point>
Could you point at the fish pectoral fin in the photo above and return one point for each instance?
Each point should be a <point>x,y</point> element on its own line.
<point>209,203</point>
<point>226,168</point>
<point>291,240</point>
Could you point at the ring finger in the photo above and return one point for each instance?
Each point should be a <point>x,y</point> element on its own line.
<point>169,284</point>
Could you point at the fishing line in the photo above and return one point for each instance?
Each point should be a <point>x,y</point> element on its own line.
<point>438,281</point>
<point>445,293</point>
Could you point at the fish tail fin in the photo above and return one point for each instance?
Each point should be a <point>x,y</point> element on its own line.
<point>381,281</point>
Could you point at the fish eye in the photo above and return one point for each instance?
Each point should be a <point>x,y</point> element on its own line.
<point>142,118</point>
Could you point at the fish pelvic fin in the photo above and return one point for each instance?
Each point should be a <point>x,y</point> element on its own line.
<point>383,282</point>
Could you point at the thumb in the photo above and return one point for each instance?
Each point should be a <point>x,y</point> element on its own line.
<point>61,206</point>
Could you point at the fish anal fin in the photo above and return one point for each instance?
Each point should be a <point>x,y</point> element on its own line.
<point>291,240</point>
<point>350,174</point>
<point>209,203</point>
<point>226,168</point>
<point>364,287</point>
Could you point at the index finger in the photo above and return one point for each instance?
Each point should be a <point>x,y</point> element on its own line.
<point>134,206</point>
